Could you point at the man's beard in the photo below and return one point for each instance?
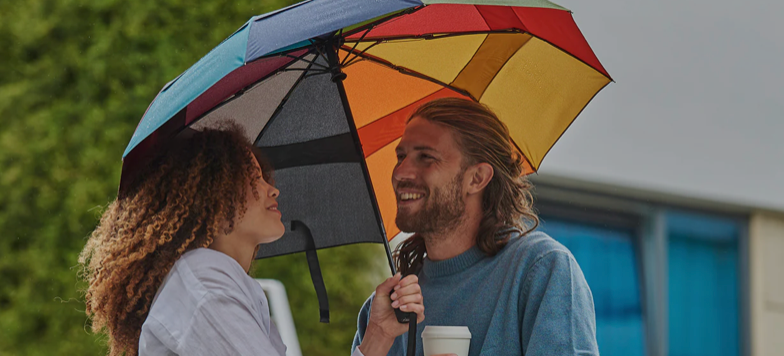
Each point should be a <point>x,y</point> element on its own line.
<point>443,211</point>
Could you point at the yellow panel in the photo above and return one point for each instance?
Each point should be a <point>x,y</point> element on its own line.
<point>489,59</point>
<point>380,166</point>
<point>538,93</point>
<point>440,58</point>
<point>375,91</point>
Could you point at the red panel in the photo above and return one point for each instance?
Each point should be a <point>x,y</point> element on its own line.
<point>379,133</point>
<point>500,17</point>
<point>233,82</point>
<point>558,27</point>
<point>437,18</point>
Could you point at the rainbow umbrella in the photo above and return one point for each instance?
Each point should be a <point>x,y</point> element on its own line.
<point>324,88</point>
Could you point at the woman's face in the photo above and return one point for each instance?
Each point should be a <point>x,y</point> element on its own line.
<point>262,219</point>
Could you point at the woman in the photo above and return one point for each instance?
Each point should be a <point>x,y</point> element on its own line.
<point>167,265</point>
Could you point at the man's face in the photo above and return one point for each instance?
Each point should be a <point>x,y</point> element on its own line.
<point>428,179</point>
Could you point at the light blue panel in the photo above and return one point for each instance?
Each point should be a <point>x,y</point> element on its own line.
<point>176,95</point>
<point>309,19</point>
<point>608,260</point>
<point>703,285</point>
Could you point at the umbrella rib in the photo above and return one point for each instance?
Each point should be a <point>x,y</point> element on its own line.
<point>385,19</point>
<point>306,61</point>
<point>280,107</point>
<point>413,73</point>
<point>369,27</point>
<point>358,55</point>
<point>345,59</point>
<point>249,87</point>
<point>321,53</point>
<point>435,36</point>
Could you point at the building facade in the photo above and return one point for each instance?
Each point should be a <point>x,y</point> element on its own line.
<point>670,274</point>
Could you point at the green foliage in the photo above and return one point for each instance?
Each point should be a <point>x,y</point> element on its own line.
<point>75,78</point>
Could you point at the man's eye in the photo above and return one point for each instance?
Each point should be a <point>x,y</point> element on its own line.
<point>400,157</point>
<point>426,156</point>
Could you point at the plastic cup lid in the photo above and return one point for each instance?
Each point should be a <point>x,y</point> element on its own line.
<point>447,332</point>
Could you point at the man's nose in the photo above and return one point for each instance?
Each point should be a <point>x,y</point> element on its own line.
<point>403,171</point>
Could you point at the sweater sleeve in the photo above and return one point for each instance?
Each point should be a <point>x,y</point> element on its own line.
<point>558,311</point>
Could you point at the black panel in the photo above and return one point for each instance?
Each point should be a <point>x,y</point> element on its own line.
<point>335,149</point>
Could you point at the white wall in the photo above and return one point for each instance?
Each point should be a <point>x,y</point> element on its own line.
<point>697,109</point>
<point>766,248</point>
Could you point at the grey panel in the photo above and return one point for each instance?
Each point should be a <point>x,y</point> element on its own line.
<point>332,200</point>
<point>253,109</point>
<point>312,111</point>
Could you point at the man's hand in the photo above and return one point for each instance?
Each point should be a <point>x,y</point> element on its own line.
<point>383,326</point>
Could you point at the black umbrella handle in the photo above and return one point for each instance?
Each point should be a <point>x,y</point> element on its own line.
<point>403,317</point>
<point>410,318</point>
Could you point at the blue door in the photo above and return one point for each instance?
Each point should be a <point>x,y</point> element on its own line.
<point>703,285</point>
<point>609,262</point>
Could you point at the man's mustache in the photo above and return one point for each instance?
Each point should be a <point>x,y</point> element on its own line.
<point>411,185</point>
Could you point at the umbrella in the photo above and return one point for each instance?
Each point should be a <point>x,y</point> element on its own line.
<point>324,87</point>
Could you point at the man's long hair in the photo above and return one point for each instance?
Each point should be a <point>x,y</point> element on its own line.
<point>507,203</point>
<point>182,200</point>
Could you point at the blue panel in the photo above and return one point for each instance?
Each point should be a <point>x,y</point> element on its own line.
<point>176,95</point>
<point>608,261</point>
<point>310,19</point>
<point>703,285</point>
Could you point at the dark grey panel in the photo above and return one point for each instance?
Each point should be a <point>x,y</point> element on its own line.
<point>332,200</point>
<point>312,111</point>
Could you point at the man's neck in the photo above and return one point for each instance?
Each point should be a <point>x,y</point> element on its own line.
<point>447,244</point>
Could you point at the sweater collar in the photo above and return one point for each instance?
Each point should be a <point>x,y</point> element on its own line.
<point>459,263</point>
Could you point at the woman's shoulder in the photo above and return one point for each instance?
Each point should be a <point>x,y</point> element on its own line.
<point>216,272</point>
<point>199,275</point>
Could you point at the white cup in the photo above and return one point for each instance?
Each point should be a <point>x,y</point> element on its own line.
<point>438,340</point>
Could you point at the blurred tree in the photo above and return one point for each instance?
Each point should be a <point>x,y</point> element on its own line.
<point>75,78</point>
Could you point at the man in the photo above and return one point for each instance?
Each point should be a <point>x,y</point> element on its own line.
<point>461,190</point>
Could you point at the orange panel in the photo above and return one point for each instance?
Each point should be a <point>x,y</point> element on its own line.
<point>381,132</point>
<point>375,91</point>
<point>380,166</point>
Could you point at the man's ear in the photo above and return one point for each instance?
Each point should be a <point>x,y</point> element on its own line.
<point>481,174</point>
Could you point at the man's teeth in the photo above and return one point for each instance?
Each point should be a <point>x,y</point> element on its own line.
<point>410,196</point>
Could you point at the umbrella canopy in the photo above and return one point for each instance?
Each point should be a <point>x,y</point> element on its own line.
<point>324,87</point>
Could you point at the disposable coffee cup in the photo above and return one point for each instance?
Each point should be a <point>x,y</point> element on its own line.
<point>438,340</point>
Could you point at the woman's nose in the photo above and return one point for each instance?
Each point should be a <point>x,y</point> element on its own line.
<point>274,192</point>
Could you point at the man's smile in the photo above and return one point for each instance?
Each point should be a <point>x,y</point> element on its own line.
<point>409,198</point>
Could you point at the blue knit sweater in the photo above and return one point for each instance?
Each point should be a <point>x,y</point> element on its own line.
<point>530,299</point>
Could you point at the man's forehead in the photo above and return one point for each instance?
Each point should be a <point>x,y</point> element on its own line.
<point>424,135</point>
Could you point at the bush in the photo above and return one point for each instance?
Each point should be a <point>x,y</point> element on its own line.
<point>75,78</point>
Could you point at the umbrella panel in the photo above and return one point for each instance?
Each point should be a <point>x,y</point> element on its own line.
<point>297,119</point>
<point>254,107</point>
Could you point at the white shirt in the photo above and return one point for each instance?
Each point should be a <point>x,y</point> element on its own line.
<point>208,305</point>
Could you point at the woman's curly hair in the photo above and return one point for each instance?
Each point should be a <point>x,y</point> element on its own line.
<point>507,202</point>
<point>181,200</point>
